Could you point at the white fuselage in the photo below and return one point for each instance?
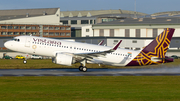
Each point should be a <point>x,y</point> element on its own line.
<point>49,47</point>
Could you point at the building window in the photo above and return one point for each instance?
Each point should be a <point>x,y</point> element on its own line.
<point>28,33</point>
<point>56,34</point>
<point>65,22</point>
<point>115,41</point>
<point>51,34</point>
<point>91,21</point>
<point>101,32</point>
<point>3,33</point>
<point>3,27</point>
<point>73,21</point>
<point>51,28</point>
<point>62,34</point>
<point>62,28</point>
<point>111,32</point>
<point>45,28</point>
<point>10,33</point>
<point>22,27</point>
<point>56,28</point>
<point>16,27</point>
<point>134,41</point>
<point>10,27</point>
<point>138,33</point>
<point>67,28</point>
<point>67,34</point>
<point>87,30</point>
<point>45,33</point>
<point>34,33</point>
<point>126,32</point>
<point>84,22</point>
<point>22,33</point>
<point>28,27</point>
<point>33,27</point>
<point>104,20</point>
<point>16,33</point>
<point>155,34</point>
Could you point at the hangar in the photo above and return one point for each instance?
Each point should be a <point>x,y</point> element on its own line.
<point>38,22</point>
<point>134,28</point>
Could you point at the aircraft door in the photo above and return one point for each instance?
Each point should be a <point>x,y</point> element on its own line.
<point>27,43</point>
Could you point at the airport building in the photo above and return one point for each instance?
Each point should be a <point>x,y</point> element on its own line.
<point>79,19</point>
<point>135,32</point>
<point>134,28</point>
<point>36,22</point>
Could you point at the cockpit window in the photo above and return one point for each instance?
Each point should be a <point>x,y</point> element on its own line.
<point>15,39</point>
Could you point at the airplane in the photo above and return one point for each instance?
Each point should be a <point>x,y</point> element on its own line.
<point>68,52</point>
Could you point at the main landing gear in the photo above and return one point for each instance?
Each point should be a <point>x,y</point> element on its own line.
<point>83,67</point>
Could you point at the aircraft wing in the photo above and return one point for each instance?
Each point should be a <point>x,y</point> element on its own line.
<point>98,54</point>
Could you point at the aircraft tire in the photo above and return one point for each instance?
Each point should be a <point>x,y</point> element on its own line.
<point>24,61</point>
<point>80,68</point>
<point>84,69</point>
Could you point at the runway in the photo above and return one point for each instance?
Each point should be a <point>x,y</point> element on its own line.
<point>161,71</point>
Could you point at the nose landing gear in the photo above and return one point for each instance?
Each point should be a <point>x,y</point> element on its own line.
<point>25,60</point>
<point>83,67</point>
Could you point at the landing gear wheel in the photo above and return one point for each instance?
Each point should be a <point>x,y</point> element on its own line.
<point>80,68</point>
<point>24,61</point>
<point>84,69</point>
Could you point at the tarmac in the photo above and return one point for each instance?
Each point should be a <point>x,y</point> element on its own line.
<point>160,71</point>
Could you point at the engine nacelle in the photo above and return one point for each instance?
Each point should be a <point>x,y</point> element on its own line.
<point>63,59</point>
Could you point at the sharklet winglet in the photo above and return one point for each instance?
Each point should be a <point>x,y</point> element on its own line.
<point>101,42</point>
<point>117,45</point>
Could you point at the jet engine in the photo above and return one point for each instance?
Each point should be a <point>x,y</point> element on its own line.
<point>63,59</point>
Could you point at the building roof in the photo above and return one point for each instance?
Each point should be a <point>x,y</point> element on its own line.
<point>142,21</point>
<point>90,13</point>
<point>169,13</point>
<point>22,13</point>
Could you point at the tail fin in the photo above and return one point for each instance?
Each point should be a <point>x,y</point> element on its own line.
<point>156,49</point>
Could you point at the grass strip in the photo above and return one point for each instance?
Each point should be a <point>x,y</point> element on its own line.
<point>90,88</point>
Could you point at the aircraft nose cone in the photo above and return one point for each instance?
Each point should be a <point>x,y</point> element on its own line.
<point>6,44</point>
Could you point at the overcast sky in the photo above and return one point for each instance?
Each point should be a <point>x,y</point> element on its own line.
<point>144,6</point>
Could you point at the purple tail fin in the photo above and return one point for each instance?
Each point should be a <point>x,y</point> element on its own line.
<point>156,49</point>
